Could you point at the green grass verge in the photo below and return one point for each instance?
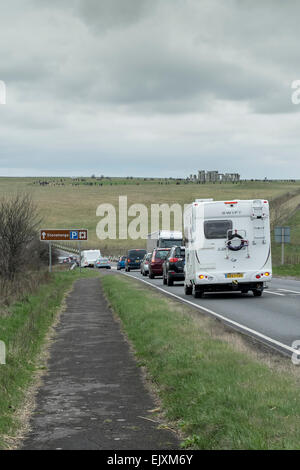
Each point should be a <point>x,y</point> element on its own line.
<point>291,250</point>
<point>23,329</point>
<point>287,270</point>
<point>219,396</point>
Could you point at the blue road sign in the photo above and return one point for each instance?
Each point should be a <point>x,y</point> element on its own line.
<point>74,235</point>
<point>282,234</point>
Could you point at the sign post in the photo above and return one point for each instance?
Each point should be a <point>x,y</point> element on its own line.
<point>50,257</point>
<point>79,246</point>
<point>283,236</point>
<point>50,235</point>
<point>282,245</point>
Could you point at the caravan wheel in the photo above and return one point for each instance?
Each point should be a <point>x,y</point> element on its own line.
<point>188,290</point>
<point>197,294</point>
<point>257,292</point>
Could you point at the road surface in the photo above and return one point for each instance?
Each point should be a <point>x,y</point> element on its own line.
<point>273,318</point>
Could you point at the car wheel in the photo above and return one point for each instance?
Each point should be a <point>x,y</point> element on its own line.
<point>151,276</point>
<point>164,279</point>
<point>118,268</point>
<point>170,281</point>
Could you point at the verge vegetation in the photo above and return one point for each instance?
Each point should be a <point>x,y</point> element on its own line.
<point>23,328</point>
<point>216,390</point>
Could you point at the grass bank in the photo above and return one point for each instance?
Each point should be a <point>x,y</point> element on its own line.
<point>220,394</point>
<point>287,270</point>
<point>292,249</point>
<point>23,328</point>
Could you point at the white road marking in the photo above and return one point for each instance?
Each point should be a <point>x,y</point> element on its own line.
<point>275,293</point>
<point>218,315</point>
<point>292,291</point>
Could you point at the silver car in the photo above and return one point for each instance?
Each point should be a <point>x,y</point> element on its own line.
<point>145,264</point>
<point>102,263</point>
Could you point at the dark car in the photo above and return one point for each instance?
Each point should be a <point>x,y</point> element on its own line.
<point>173,267</point>
<point>145,264</point>
<point>156,264</point>
<point>134,259</point>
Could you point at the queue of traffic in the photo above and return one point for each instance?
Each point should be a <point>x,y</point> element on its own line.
<point>226,247</point>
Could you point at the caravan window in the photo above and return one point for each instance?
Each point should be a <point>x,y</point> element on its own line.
<point>217,228</point>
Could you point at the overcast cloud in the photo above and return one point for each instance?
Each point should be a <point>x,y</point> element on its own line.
<point>149,87</point>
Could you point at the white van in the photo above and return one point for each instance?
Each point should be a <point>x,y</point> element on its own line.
<point>89,257</point>
<point>228,246</point>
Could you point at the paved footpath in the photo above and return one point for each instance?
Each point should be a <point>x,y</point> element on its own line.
<point>93,396</point>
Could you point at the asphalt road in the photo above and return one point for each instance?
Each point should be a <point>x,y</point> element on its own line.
<point>273,318</point>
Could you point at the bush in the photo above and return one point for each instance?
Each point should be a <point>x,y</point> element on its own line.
<point>20,248</point>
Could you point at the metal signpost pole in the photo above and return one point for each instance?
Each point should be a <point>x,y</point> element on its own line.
<point>50,257</point>
<point>282,245</point>
<point>79,244</point>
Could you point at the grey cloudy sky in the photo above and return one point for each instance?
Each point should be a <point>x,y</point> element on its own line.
<point>149,87</point>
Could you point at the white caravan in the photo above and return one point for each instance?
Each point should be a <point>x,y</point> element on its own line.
<point>228,246</point>
<point>163,239</point>
<point>89,257</point>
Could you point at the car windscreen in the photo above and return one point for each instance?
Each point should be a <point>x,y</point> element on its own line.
<point>179,252</point>
<point>161,254</point>
<point>133,254</point>
<point>169,243</point>
<point>216,229</point>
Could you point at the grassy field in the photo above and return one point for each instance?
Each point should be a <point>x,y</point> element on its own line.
<point>291,250</point>
<point>23,328</point>
<point>63,205</point>
<point>287,270</point>
<point>213,387</point>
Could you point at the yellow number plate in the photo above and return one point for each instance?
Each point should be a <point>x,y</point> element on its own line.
<point>234,275</point>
